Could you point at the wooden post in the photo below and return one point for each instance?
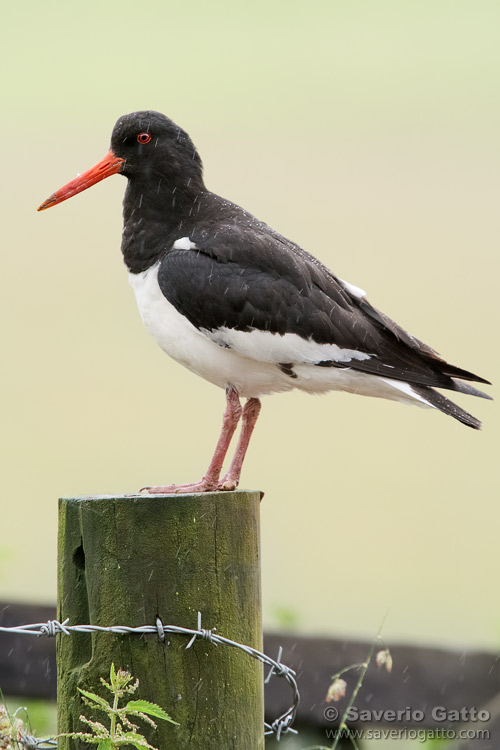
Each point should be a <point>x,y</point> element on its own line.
<point>127,560</point>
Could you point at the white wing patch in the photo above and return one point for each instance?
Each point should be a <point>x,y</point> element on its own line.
<point>356,291</point>
<point>406,388</point>
<point>184,243</point>
<point>275,348</point>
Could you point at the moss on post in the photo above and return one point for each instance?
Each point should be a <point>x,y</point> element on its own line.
<point>127,560</point>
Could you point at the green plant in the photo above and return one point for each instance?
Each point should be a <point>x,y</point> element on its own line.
<point>121,731</point>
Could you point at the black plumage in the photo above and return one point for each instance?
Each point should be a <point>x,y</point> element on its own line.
<point>243,306</point>
<point>245,276</point>
<point>248,278</point>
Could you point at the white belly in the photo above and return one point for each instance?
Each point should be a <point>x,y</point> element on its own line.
<point>191,348</point>
<point>257,372</point>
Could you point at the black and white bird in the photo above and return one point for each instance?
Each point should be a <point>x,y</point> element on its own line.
<point>244,307</point>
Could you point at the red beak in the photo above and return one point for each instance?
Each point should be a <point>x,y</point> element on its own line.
<point>111,164</point>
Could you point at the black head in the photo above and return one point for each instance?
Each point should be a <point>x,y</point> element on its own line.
<point>145,147</point>
<point>151,145</point>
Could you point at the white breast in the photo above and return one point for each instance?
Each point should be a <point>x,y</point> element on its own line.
<point>193,349</point>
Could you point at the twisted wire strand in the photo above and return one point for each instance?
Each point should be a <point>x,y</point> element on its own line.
<point>51,628</point>
<point>32,743</point>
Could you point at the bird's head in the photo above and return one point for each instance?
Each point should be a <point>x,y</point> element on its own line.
<point>144,145</point>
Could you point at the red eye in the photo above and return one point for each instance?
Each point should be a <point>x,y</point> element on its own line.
<point>143,138</point>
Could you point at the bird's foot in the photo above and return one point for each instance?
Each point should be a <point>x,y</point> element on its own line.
<point>226,484</point>
<point>204,485</point>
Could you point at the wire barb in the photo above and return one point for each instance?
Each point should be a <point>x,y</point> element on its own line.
<point>207,635</point>
<point>53,627</point>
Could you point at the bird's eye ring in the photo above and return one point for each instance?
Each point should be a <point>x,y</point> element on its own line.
<point>143,138</point>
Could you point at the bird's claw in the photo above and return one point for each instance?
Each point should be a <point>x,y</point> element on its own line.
<point>227,485</point>
<point>204,485</point>
<point>177,489</point>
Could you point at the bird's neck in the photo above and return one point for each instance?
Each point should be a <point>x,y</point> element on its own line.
<point>156,212</point>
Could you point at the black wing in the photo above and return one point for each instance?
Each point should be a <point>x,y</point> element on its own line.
<point>248,278</point>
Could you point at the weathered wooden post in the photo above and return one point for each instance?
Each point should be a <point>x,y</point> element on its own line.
<point>127,560</point>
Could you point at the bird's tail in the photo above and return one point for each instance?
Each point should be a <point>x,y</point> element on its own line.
<point>438,401</point>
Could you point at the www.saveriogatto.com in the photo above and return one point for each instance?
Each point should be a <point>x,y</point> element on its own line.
<point>466,723</point>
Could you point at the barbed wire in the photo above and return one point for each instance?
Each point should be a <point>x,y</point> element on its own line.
<point>51,628</point>
<point>29,742</point>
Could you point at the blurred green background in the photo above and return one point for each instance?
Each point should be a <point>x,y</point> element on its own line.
<point>368,133</point>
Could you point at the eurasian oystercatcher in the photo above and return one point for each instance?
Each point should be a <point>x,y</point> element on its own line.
<point>244,307</point>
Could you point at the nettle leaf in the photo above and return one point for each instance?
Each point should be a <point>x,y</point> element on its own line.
<point>105,745</point>
<point>112,676</point>
<point>100,702</point>
<point>151,709</point>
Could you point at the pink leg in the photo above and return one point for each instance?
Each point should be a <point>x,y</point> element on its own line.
<point>251,412</point>
<point>210,481</point>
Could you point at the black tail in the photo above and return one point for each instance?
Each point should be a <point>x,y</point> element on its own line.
<point>448,407</point>
<point>469,389</point>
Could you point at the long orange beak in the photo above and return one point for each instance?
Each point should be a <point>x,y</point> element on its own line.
<point>111,164</point>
